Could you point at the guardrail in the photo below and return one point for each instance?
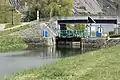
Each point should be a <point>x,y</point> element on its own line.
<point>72,33</point>
<point>83,17</point>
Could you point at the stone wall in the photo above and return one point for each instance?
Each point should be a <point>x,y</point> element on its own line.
<point>87,43</point>
<point>100,43</point>
<point>113,42</point>
<point>94,43</point>
<point>38,42</point>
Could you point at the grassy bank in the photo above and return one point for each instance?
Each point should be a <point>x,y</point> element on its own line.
<point>98,65</point>
<point>6,32</point>
<point>9,25</point>
<point>12,43</point>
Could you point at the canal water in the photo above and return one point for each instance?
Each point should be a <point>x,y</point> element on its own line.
<point>12,62</point>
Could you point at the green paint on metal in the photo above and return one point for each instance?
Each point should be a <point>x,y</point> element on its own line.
<point>71,33</point>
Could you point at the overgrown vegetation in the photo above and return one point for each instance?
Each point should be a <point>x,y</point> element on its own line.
<point>48,8</point>
<point>76,26</point>
<point>98,65</point>
<point>12,43</point>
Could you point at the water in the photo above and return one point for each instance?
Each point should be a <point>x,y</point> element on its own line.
<point>19,61</point>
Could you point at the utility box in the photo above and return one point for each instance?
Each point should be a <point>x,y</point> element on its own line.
<point>98,34</point>
<point>45,33</point>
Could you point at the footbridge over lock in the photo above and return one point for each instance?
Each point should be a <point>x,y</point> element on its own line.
<point>57,27</point>
<point>72,35</point>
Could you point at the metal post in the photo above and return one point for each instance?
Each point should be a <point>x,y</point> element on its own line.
<point>12,15</point>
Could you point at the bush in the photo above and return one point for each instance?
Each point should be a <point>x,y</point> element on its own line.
<point>12,43</point>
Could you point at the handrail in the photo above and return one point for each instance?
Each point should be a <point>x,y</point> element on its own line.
<point>71,33</point>
<point>82,17</point>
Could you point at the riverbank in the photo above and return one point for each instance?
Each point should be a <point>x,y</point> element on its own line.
<point>10,39</point>
<point>97,65</point>
<point>12,43</point>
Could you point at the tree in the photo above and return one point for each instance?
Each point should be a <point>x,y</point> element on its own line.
<point>50,8</point>
<point>80,27</point>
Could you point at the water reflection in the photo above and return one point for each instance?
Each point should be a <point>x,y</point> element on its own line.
<point>33,58</point>
<point>54,52</point>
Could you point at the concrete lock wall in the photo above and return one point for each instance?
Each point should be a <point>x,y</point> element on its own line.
<point>87,43</point>
<point>100,43</point>
<point>35,42</point>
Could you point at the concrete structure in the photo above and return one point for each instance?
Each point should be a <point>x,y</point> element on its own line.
<point>40,41</point>
<point>117,31</point>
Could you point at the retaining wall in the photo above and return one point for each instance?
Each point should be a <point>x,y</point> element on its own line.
<point>35,42</point>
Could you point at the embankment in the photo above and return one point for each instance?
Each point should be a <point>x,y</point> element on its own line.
<point>97,65</point>
<point>12,43</point>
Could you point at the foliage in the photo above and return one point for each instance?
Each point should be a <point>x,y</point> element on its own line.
<point>76,26</point>
<point>12,43</point>
<point>97,65</point>
<point>6,13</point>
<point>49,8</point>
<point>80,27</point>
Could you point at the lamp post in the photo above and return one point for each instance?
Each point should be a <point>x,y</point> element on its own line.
<point>12,15</point>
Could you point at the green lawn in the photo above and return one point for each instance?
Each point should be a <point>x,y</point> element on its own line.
<point>103,64</point>
<point>6,32</point>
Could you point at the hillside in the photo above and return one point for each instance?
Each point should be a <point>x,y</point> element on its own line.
<point>86,6</point>
<point>104,7</point>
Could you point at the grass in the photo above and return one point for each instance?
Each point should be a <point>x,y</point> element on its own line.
<point>6,32</point>
<point>98,65</point>
<point>12,43</point>
<point>6,13</point>
<point>9,25</point>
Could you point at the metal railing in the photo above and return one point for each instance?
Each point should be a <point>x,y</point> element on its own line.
<point>72,33</point>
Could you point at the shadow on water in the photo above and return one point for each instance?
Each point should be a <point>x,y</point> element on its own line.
<point>61,51</point>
